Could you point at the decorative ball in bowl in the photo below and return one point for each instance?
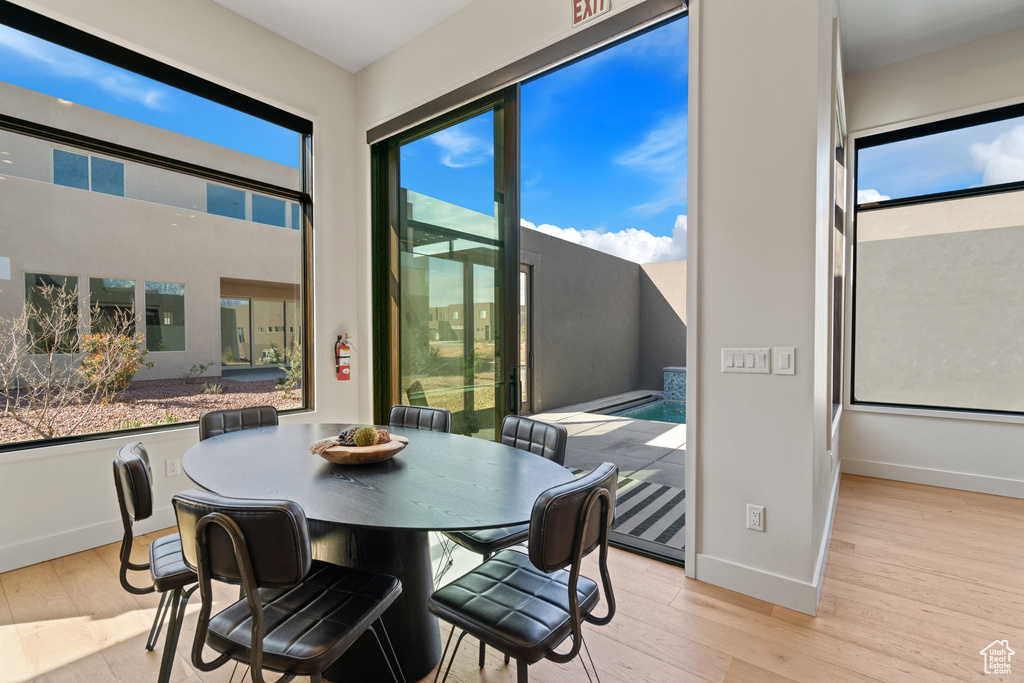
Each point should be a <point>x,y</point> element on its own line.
<point>376,446</point>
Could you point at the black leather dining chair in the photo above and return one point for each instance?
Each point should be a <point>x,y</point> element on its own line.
<point>169,575</point>
<point>420,417</point>
<point>298,615</point>
<point>545,439</point>
<point>216,422</point>
<point>526,606</point>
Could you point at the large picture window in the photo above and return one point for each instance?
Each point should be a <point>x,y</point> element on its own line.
<point>938,282</point>
<point>188,188</point>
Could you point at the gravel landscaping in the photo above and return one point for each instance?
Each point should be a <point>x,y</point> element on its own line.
<point>153,401</point>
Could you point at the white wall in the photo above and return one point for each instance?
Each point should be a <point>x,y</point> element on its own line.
<point>762,140</point>
<point>60,499</point>
<point>976,453</point>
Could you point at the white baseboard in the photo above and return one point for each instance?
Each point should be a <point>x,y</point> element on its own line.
<point>819,571</point>
<point>75,541</point>
<point>963,481</point>
<point>781,590</point>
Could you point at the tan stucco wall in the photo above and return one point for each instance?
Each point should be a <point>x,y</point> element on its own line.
<point>158,232</point>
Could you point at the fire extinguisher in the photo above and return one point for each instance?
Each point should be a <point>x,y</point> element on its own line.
<point>343,357</point>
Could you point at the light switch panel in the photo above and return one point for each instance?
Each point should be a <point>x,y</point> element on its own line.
<point>750,361</point>
<point>785,360</point>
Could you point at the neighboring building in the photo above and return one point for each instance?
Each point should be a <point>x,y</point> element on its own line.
<point>212,270</point>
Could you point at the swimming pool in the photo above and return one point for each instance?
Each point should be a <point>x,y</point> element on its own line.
<point>659,411</point>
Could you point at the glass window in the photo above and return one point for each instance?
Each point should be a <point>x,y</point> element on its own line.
<point>938,285</point>
<point>968,157</point>
<point>269,342</point>
<point>171,152</point>
<point>268,210</point>
<point>165,316</point>
<point>70,169</point>
<point>53,312</point>
<point>111,305</point>
<point>225,201</point>
<point>59,72</point>
<point>296,216</point>
<point>234,332</point>
<point>107,176</point>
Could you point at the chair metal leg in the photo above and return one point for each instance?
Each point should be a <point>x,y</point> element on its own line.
<point>384,643</point>
<point>446,560</point>
<point>522,671</point>
<point>179,599</point>
<point>158,620</point>
<point>452,660</point>
<point>592,665</point>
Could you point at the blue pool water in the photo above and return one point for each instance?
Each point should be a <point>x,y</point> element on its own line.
<point>659,411</point>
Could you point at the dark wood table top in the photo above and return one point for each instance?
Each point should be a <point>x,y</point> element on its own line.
<point>439,482</point>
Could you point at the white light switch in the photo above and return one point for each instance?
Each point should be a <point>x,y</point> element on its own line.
<point>785,360</point>
<point>753,361</point>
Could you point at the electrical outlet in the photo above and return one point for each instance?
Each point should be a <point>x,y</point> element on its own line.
<point>755,517</point>
<point>173,466</point>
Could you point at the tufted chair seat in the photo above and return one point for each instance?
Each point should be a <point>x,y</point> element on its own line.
<point>527,606</point>
<point>341,602</point>
<point>297,615</point>
<point>524,611</point>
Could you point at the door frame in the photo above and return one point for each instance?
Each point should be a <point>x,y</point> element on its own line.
<point>385,249</point>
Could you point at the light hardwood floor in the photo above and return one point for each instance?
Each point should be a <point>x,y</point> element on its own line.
<point>918,581</point>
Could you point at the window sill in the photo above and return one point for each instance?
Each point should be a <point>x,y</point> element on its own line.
<point>936,413</point>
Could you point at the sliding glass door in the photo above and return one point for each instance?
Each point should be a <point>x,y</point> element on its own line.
<point>451,308</point>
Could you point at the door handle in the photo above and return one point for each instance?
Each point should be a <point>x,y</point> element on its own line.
<point>513,393</point>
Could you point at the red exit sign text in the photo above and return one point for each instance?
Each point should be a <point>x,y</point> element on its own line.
<point>585,10</point>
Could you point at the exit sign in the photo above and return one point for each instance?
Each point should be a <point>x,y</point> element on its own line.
<point>585,10</point>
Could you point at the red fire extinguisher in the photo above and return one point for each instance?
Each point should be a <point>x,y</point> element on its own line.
<point>343,356</point>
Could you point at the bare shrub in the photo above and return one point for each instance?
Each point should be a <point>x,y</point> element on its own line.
<point>41,374</point>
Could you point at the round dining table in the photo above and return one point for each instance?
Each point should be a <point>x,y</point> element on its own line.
<point>377,517</point>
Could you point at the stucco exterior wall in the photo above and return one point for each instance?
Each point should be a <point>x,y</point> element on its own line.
<point>586,317</point>
<point>662,321</point>
<point>159,231</point>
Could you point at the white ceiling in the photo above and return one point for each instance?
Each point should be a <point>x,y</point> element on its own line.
<point>350,33</point>
<point>355,33</point>
<point>880,32</point>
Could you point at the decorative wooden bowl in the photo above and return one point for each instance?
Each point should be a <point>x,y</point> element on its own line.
<point>364,455</point>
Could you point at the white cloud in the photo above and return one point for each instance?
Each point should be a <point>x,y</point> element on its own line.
<point>1002,160</point>
<point>460,149</point>
<point>869,196</point>
<point>115,82</point>
<point>634,245</point>
<point>662,156</point>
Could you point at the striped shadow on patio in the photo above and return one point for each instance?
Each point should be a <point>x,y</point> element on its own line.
<point>649,517</point>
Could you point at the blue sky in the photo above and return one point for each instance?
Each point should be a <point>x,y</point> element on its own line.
<point>981,155</point>
<point>603,151</point>
<point>36,64</point>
